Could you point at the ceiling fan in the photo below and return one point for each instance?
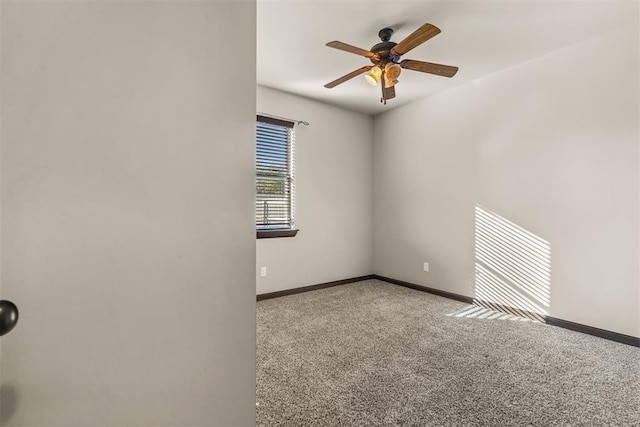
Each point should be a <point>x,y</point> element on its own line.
<point>385,57</point>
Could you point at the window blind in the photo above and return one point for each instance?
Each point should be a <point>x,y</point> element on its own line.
<point>274,173</point>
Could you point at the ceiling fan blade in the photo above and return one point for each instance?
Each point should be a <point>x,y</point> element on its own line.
<point>429,67</point>
<point>346,77</point>
<point>387,92</point>
<point>351,49</point>
<point>416,38</point>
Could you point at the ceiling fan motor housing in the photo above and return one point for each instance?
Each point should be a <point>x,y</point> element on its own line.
<point>383,53</point>
<point>383,49</point>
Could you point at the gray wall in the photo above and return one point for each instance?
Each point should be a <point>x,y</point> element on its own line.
<point>551,146</point>
<point>333,197</point>
<point>127,212</point>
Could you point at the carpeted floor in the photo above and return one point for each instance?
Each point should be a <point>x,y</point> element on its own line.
<point>377,354</point>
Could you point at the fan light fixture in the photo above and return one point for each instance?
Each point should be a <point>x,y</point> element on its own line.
<point>391,73</point>
<point>373,76</point>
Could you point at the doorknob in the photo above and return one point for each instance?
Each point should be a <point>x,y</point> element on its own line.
<point>8,316</point>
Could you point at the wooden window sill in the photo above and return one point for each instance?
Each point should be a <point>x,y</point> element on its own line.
<point>269,234</point>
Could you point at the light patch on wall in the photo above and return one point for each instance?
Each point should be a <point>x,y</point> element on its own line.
<point>512,267</point>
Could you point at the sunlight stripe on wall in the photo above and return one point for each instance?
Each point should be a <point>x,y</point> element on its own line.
<point>512,266</point>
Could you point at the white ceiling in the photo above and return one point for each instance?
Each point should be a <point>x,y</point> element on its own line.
<point>480,37</point>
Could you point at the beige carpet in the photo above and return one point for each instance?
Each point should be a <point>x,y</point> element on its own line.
<point>376,354</point>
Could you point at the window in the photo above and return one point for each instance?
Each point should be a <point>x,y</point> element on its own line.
<point>275,213</point>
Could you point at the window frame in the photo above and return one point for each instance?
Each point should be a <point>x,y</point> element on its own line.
<point>279,230</point>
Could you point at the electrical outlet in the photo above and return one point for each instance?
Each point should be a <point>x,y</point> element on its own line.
<point>426,266</point>
<point>263,271</point>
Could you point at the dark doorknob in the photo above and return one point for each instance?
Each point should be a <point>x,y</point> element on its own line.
<point>8,316</point>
